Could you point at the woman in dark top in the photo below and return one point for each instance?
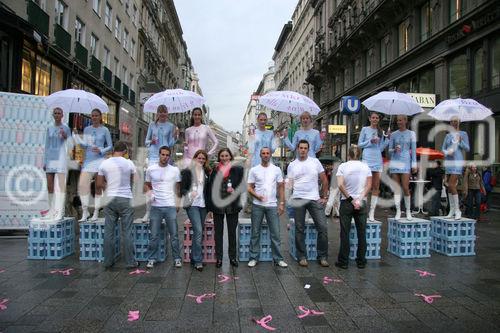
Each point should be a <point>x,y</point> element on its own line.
<point>195,192</point>
<point>224,199</point>
<point>473,186</point>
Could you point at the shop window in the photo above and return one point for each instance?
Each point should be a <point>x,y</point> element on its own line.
<point>457,76</point>
<point>477,73</point>
<point>56,79</point>
<point>495,64</point>
<point>27,70</point>
<point>110,117</point>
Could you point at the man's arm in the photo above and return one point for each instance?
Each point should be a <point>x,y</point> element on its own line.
<point>368,187</point>
<point>178,195</point>
<point>324,187</point>
<point>342,189</point>
<point>99,184</point>
<point>281,196</point>
<point>251,191</point>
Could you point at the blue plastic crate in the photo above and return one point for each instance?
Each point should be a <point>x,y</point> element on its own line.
<point>37,249</point>
<point>245,233</point>
<point>462,246</point>
<point>408,230</point>
<point>265,253</point>
<point>372,250</point>
<point>58,249</point>
<point>373,232</point>
<point>142,249</point>
<point>311,250</point>
<point>310,233</point>
<point>142,232</point>
<point>451,228</point>
<point>409,248</point>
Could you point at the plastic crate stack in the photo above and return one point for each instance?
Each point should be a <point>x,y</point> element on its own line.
<point>373,240</point>
<point>142,237</point>
<point>453,237</point>
<point>409,239</point>
<point>311,237</point>
<point>244,236</point>
<point>92,240</point>
<point>51,240</point>
<point>207,242</point>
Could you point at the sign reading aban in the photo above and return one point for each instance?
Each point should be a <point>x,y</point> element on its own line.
<point>424,100</point>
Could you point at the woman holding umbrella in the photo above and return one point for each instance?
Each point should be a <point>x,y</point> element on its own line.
<point>97,143</point>
<point>373,143</point>
<point>160,133</point>
<point>454,142</point>
<point>307,133</point>
<point>403,152</point>
<point>56,165</point>
<point>197,137</point>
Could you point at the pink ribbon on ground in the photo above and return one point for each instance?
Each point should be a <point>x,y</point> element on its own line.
<point>263,322</point>
<point>327,280</point>
<point>2,304</point>
<point>307,312</point>
<point>199,299</point>
<point>138,271</point>
<point>428,298</point>
<point>133,315</point>
<point>424,273</point>
<point>2,270</point>
<point>64,272</point>
<point>225,278</point>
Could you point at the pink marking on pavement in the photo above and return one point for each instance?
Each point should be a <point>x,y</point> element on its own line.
<point>133,315</point>
<point>199,299</point>
<point>328,280</point>
<point>307,312</point>
<point>64,272</point>
<point>138,271</point>
<point>424,273</point>
<point>224,278</point>
<point>3,303</point>
<point>2,270</point>
<point>263,322</point>
<point>428,298</point>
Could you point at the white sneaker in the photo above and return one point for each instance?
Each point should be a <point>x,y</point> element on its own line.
<point>282,264</point>
<point>398,214</point>
<point>178,263</point>
<point>150,264</point>
<point>252,263</point>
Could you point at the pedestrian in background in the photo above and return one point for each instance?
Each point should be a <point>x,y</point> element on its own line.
<point>307,133</point>
<point>435,176</point>
<point>488,182</point>
<point>473,187</point>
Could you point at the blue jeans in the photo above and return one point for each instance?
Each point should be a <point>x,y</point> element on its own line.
<point>157,214</point>
<point>273,222</point>
<point>317,212</point>
<point>118,208</point>
<point>197,217</point>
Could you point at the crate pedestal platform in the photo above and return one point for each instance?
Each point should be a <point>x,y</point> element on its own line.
<point>453,237</point>
<point>311,238</point>
<point>51,239</point>
<point>373,240</point>
<point>207,242</point>
<point>409,239</point>
<point>92,240</point>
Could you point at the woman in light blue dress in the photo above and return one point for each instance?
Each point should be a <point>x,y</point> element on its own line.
<point>160,133</point>
<point>455,142</point>
<point>373,142</point>
<point>262,138</point>
<point>307,133</point>
<point>56,165</point>
<point>97,143</point>
<point>403,153</point>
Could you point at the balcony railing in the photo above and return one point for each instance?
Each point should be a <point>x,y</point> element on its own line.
<point>81,54</point>
<point>118,84</point>
<point>132,97</point>
<point>63,38</point>
<point>38,18</point>
<point>107,76</point>
<point>125,91</point>
<point>95,66</point>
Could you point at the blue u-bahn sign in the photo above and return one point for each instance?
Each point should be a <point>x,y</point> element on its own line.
<point>349,105</point>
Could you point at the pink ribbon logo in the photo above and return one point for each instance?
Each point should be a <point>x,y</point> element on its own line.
<point>307,312</point>
<point>428,298</point>
<point>64,272</point>
<point>328,280</point>
<point>199,299</point>
<point>225,278</point>
<point>263,322</point>
<point>424,273</point>
<point>138,271</point>
<point>133,315</point>
<point>3,303</point>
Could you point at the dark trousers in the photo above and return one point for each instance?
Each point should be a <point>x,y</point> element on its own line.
<point>347,213</point>
<point>232,224</point>
<point>473,204</point>
<point>435,204</point>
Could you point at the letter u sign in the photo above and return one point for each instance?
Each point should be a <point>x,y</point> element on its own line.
<point>349,105</point>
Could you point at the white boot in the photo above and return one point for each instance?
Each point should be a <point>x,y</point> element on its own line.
<point>373,205</point>
<point>148,208</point>
<point>97,206</point>
<point>458,213</point>
<point>451,201</point>
<point>50,212</point>
<point>60,201</point>
<point>85,207</point>
<point>397,202</point>
<point>408,208</point>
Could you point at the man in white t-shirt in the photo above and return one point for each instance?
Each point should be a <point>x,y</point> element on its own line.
<point>116,176</point>
<point>162,185</point>
<point>355,181</point>
<point>303,176</point>
<point>262,182</point>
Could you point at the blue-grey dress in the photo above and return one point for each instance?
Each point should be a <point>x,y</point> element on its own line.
<point>406,159</point>
<point>454,162</point>
<point>56,155</point>
<point>372,152</point>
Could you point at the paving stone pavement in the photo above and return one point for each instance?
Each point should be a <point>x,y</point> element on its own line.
<point>379,298</point>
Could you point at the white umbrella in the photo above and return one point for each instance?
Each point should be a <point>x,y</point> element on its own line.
<point>176,101</point>
<point>76,101</point>
<point>392,103</point>
<point>464,109</point>
<point>290,102</point>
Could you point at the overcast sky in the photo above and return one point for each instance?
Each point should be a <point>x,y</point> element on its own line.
<point>231,44</point>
